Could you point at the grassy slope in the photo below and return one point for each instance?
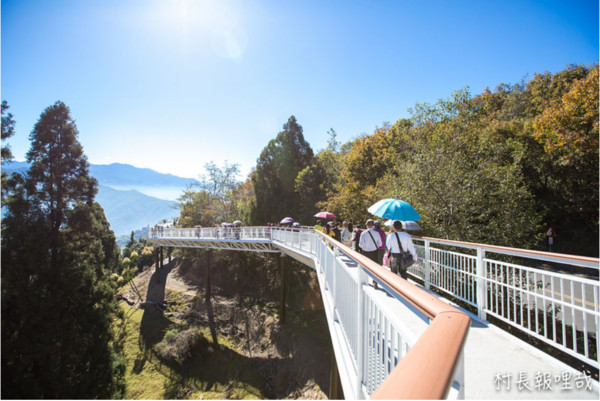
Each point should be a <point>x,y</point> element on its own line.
<point>211,375</point>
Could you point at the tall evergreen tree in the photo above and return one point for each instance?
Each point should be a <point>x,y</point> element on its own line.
<point>57,251</point>
<point>278,166</point>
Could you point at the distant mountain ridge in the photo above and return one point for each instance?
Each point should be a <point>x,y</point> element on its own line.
<point>125,193</point>
<point>117,174</point>
<point>129,210</point>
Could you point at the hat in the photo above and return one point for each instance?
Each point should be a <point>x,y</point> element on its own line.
<point>369,222</point>
<point>377,224</point>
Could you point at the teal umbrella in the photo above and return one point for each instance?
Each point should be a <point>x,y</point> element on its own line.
<point>394,209</point>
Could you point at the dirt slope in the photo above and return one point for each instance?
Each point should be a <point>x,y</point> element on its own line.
<point>293,358</point>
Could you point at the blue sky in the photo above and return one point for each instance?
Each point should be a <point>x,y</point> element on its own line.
<point>174,84</point>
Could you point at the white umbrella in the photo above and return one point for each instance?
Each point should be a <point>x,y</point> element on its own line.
<point>406,225</point>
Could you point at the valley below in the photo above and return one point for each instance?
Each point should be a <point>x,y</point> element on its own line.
<point>169,348</point>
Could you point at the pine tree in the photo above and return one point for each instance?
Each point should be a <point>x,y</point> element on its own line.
<point>276,170</point>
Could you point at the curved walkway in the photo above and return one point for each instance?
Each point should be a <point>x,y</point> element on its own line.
<point>496,364</point>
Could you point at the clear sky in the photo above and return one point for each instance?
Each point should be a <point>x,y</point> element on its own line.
<point>173,84</point>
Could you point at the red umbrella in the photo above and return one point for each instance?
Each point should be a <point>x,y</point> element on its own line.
<point>325,215</point>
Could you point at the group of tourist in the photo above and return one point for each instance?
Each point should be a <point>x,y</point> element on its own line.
<point>373,242</point>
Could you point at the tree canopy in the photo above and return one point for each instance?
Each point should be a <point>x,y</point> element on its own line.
<point>277,167</point>
<point>499,167</point>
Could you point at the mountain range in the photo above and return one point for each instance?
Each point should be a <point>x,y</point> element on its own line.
<point>132,197</point>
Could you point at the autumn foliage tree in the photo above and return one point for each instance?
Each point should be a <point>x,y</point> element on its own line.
<point>497,168</point>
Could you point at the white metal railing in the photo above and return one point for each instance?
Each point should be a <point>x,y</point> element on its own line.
<point>368,336</point>
<point>557,308</point>
<point>218,233</point>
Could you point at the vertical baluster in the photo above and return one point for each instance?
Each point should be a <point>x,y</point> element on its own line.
<point>573,316</point>
<point>528,289</point>
<point>553,308</point>
<point>427,266</point>
<point>564,314</point>
<point>514,291</point>
<point>522,303</point>
<point>586,349</point>
<point>386,341</point>
<point>497,281</point>
<point>544,305</point>
<point>537,320</point>
<point>596,305</point>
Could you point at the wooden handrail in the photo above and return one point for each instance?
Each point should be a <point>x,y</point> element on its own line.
<point>427,370</point>
<point>586,261</point>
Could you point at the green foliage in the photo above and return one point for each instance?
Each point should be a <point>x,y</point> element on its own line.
<point>274,179</point>
<point>8,130</point>
<point>214,201</point>
<point>495,168</point>
<point>58,253</point>
<point>59,168</point>
<point>138,254</point>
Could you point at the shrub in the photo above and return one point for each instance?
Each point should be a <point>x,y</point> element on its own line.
<point>178,346</point>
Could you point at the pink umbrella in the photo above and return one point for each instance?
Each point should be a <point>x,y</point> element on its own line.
<point>325,215</point>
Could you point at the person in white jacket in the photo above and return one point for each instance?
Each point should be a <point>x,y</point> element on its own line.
<point>396,243</point>
<point>347,233</point>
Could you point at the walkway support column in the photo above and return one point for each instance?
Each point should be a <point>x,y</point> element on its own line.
<point>282,276</point>
<point>335,384</point>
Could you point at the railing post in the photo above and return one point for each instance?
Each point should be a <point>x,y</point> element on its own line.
<point>426,266</point>
<point>336,253</point>
<point>360,357</point>
<point>481,284</point>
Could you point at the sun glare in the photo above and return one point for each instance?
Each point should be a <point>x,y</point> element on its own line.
<point>214,22</point>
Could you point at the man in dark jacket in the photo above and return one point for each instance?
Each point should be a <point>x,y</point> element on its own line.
<point>337,232</point>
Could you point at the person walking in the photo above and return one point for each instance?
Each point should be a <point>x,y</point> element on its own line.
<point>337,233</point>
<point>347,234</point>
<point>370,241</point>
<point>318,226</point>
<point>398,242</point>
<point>356,239</point>
<point>381,249</point>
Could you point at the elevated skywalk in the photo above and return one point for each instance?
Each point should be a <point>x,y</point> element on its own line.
<point>372,342</point>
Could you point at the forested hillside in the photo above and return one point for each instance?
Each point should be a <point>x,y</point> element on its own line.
<point>499,167</point>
